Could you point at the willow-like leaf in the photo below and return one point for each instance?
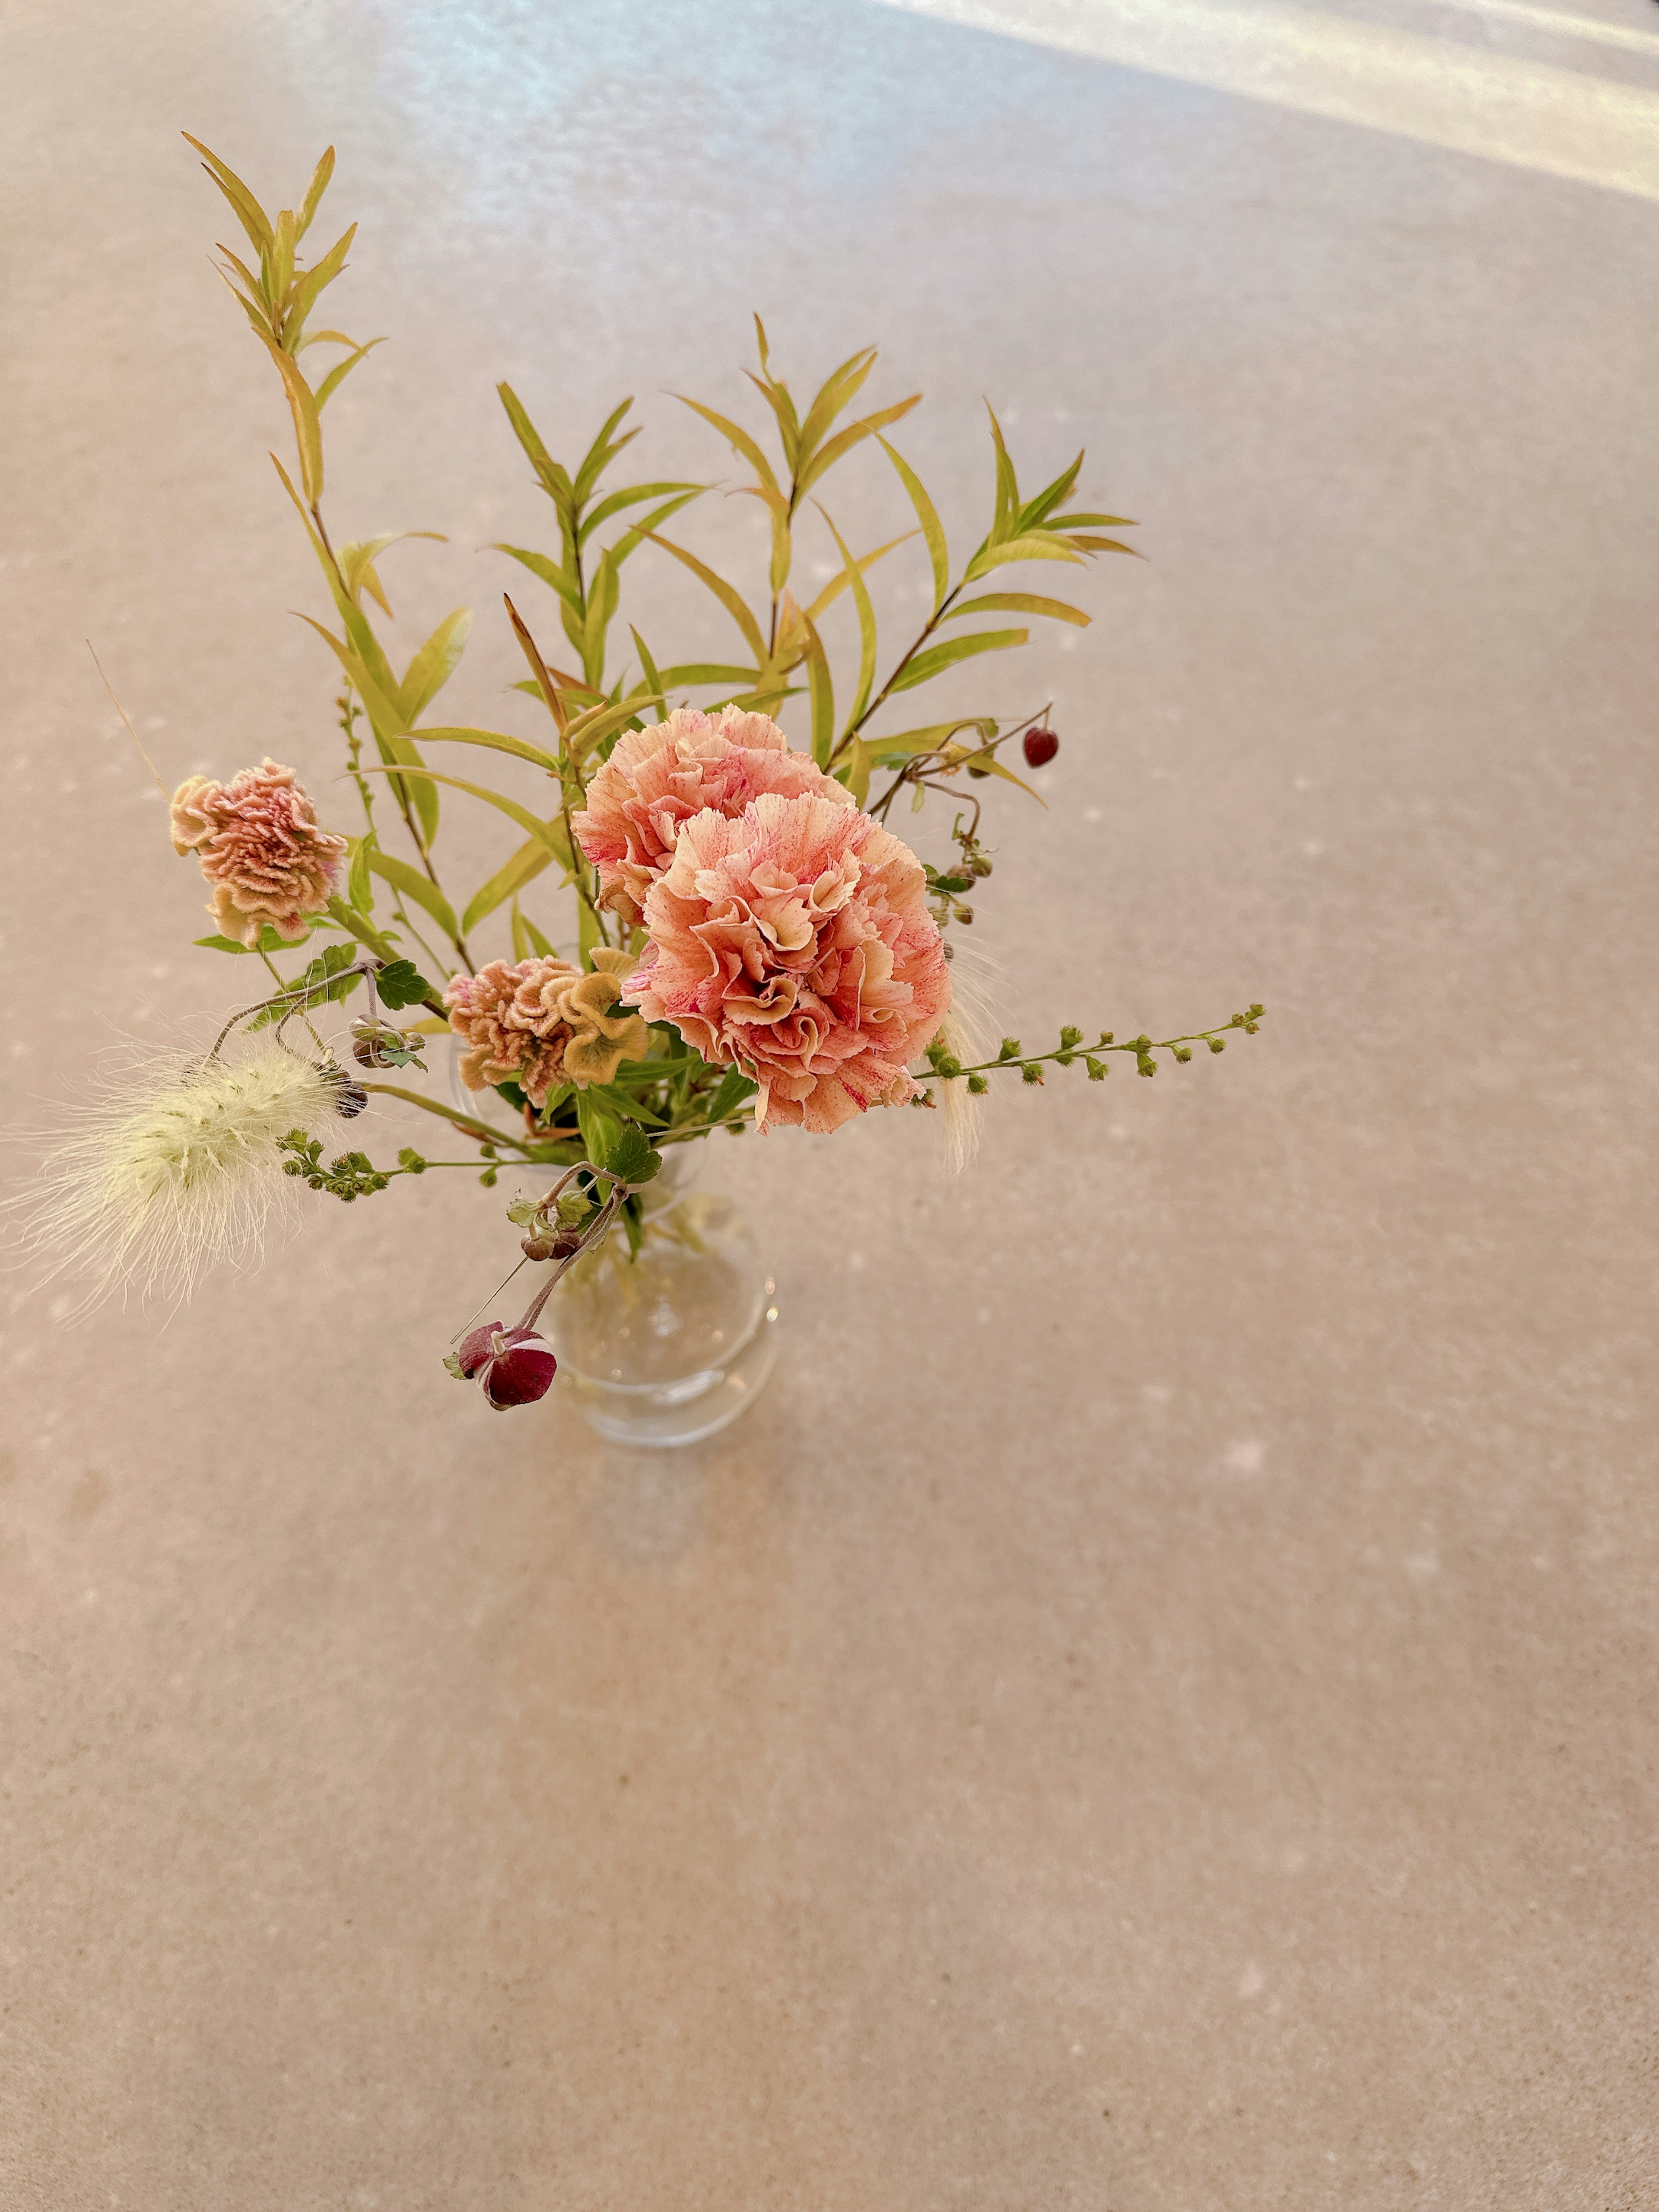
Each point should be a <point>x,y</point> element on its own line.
<point>844,441</point>
<point>685,672</point>
<point>314,191</point>
<point>1020,603</point>
<point>1085,521</point>
<point>525,865</point>
<point>311,286</point>
<point>602,597</point>
<point>866,625</point>
<point>1038,545</point>
<point>855,771</point>
<point>526,937</point>
<point>637,532</point>
<point>932,530</point>
<point>590,730</point>
<point>308,430</point>
<point>249,213</point>
<point>1048,499</point>
<point>777,397</point>
<point>342,369</point>
<point>653,679</point>
<point>618,501</point>
<point>736,436</point>
<point>782,544</point>
<point>554,480</point>
<point>725,594</point>
<point>1007,503</point>
<point>556,578</point>
<point>905,744</point>
<point>357,561</point>
<point>551,834</point>
<point>823,694</point>
<point>413,884</point>
<point>434,664</point>
<point>1089,544</point>
<point>496,741</point>
<point>936,659</point>
<point>837,584</point>
<point>601,453</point>
<point>840,388</point>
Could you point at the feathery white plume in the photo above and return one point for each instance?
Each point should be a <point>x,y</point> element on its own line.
<point>965,1034</point>
<point>171,1167</point>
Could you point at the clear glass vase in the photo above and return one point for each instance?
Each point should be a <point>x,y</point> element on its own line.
<point>668,1346</point>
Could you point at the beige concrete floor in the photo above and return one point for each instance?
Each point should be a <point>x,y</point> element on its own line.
<point>1155,1709</point>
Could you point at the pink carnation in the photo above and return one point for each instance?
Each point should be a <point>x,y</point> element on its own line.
<point>260,849</point>
<point>794,942</point>
<point>660,777</point>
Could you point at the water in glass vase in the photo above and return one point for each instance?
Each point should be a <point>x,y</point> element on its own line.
<point>668,1346</point>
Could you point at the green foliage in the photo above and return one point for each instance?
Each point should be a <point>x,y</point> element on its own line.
<point>323,983</point>
<point>399,983</point>
<point>829,652</point>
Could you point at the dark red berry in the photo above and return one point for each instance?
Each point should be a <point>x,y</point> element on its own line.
<point>1041,746</point>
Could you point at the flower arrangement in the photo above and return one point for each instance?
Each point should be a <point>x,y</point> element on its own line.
<point>743,940</point>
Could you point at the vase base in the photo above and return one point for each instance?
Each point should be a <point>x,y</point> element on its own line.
<point>685,1411</point>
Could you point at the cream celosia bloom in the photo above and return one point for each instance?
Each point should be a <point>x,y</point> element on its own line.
<point>175,1166</point>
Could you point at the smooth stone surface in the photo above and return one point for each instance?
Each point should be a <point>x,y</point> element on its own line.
<point>1155,1708</point>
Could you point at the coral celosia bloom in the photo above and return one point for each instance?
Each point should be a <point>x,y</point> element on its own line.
<point>543,1023</point>
<point>660,777</point>
<point>260,849</point>
<point>795,942</point>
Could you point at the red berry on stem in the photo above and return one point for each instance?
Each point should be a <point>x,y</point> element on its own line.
<point>1041,746</point>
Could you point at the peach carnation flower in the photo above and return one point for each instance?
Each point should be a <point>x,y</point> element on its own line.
<point>543,1023</point>
<point>660,777</point>
<point>260,849</point>
<point>794,941</point>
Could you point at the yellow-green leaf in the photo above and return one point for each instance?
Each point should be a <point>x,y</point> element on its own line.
<point>736,436</point>
<point>308,430</point>
<point>844,441</point>
<point>434,664</point>
<point>905,744</point>
<point>528,863</point>
<point>496,741</point>
<point>413,884</point>
<point>938,658</point>
<point>837,584</point>
<point>593,729</point>
<point>1038,546</point>
<point>1020,603</point>
<point>725,594</point>
<point>249,213</point>
<point>1008,505</point>
<point>855,771</point>
<point>867,626</point>
<point>932,529</point>
<point>554,481</point>
<point>314,191</point>
<point>342,369</point>
<point>841,387</point>
<point>551,834</point>
<point>312,283</point>
<point>782,551</point>
<point>823,694</point>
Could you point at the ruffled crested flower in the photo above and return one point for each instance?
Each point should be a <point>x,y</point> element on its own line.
<point>660,777</point>
<point>543,1023</point>
<point>794,941</point>
<point>260,849</point>
<point>176,1165</point>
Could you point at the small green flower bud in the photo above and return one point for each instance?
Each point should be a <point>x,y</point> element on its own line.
<point>1032,1073</point>
<point>1183,1053</point>
<point>1096,1070</point>
<point>1106,1036</point>
<point>978,1085</point>
<point>1069,1036</point>
<point>1064,1059</point>
<point>1009,1049</point>
<point>1218,1044</point>
<point>1145,1066</point>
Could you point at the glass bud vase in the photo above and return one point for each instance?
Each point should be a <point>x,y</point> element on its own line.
<point>669,1345</point>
